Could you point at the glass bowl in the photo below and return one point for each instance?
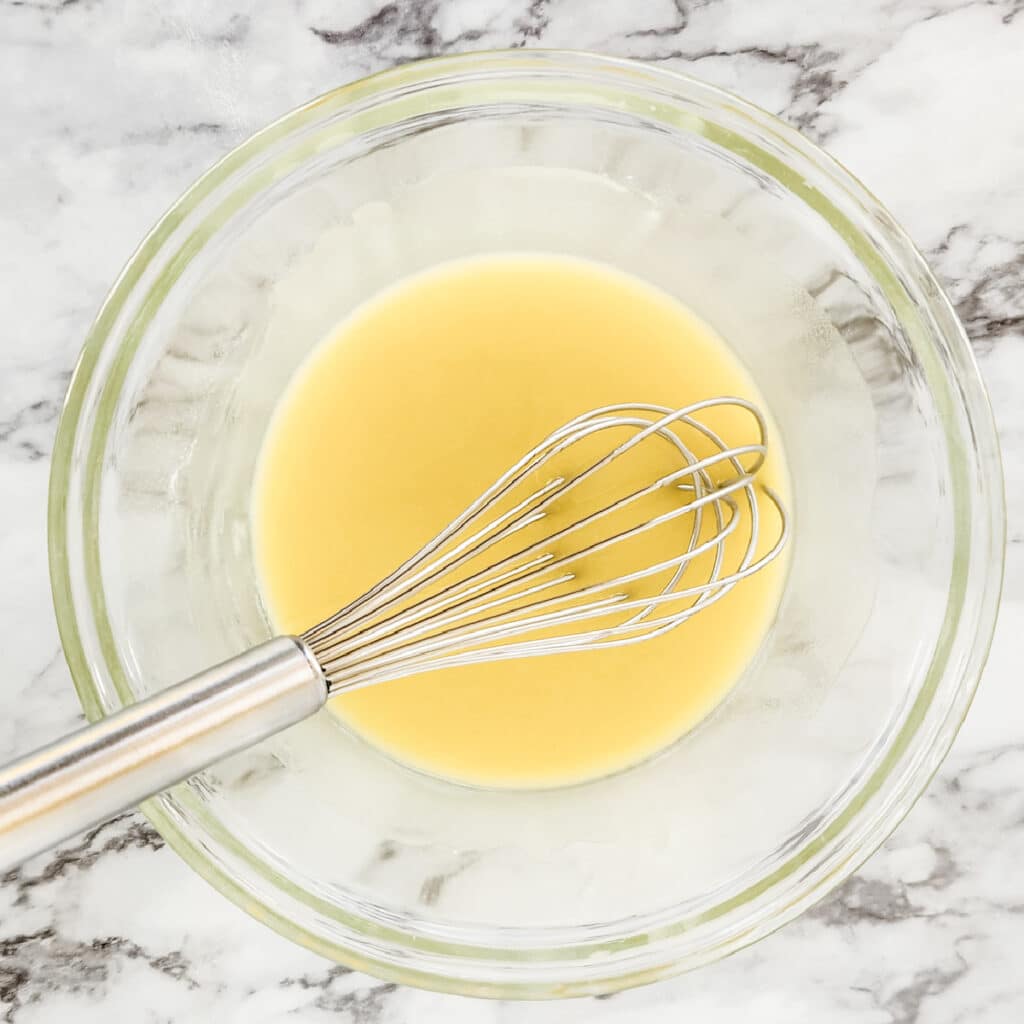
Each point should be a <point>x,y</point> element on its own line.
<point>896,561</point>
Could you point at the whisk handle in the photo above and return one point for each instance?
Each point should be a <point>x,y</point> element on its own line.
<point>94,773</point>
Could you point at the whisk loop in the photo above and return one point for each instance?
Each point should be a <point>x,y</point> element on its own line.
<point>445,606</point>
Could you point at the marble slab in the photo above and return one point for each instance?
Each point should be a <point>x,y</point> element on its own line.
<point>108,111</point>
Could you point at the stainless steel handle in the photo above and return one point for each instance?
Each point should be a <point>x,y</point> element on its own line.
<point>87,777</point>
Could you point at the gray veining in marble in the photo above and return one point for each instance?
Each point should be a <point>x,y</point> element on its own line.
<point>108,111</point>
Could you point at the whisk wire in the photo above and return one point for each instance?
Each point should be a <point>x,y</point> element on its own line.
<point>468,592</point>
<point>427,614</point>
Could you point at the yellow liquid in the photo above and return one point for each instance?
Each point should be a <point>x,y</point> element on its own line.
<point>423,397</point>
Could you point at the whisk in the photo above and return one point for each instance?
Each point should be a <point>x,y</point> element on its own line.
<point>505,579</point>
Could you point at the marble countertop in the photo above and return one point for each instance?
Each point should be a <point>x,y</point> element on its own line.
<point>108,111</point>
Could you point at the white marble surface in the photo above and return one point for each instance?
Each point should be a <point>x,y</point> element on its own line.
<point>108,111</point>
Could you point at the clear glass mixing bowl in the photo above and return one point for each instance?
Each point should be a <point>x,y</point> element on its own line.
<point>896,558</point>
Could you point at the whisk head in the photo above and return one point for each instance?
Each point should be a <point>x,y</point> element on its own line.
<point>512,576</point>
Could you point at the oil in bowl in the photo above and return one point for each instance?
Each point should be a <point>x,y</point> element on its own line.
<point>408,411</point>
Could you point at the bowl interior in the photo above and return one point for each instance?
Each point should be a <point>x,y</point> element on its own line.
<point>370,860</point>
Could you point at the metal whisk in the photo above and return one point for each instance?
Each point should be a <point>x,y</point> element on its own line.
<point>505,579</point>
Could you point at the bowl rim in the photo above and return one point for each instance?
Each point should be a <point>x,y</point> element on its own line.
<point>984,525</point>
